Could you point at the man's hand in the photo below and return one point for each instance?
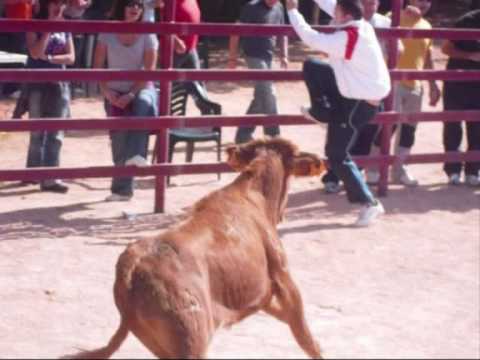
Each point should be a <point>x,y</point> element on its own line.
<point>413,12</point>
<point>180,47</point>
<point>291,4</point>
<point>123,100</point>
<point>435,94</point>
<point>111,96</point>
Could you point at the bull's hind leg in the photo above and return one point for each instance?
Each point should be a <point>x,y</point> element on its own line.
<point>287,306</point>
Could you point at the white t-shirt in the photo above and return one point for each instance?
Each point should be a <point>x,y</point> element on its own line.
<point>120,56</point>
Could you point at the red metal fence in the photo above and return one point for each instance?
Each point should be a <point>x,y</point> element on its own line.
<point>163,122</point>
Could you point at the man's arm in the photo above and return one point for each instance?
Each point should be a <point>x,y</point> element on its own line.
<point>435,92</point>
<point>333,44</point>
<point>283,45</point>
<point>233,51</point>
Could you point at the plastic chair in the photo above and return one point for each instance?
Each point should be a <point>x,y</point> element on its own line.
<point>178,107</point>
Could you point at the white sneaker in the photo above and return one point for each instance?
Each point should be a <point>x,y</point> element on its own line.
<point>454,179</point>
<point>372,177</point>
<point>118,197</point>
<point>472,180</point>
<point>332,187</point>
<point>369,213</point>
<point>137,160</point>
<point>401,176</point>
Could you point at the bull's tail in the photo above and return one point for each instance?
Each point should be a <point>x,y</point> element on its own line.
<point>105,352</point>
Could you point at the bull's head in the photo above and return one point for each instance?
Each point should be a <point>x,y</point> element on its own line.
<point>297,163</point>
<point>260,157</point>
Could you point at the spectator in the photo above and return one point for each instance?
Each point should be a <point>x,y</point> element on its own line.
<point>464,55</point>
<point>345,93</point>
<point>133,98</point>
<point>258,53</point>
<point>363,144</point>
<point>75,11</point>
<point>49,50</point>
<point>15,42</point>
<point>409,93</point>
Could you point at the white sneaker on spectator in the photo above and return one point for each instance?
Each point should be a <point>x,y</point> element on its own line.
<point>454,179</point>
<point>332,187</point>
<point>401,176</point>
<point>369,213</point>
<point>118,197</point>
<point>372,177</point>
<point>472,180</point>
<point>137,160</point>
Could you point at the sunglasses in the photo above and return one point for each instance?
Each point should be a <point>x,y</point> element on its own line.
<point>137,3</point>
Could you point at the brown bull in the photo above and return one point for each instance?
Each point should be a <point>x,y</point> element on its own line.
<point>220,265</point>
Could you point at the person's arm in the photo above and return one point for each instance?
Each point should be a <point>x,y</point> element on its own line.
<point>99,61</point>
<point>283,45</point>
<point>449,49</point>
<point>37,45</point>
<point>327,5</point>
<point>333,44</point>
<point>435,92</point>
<point>233,51</point>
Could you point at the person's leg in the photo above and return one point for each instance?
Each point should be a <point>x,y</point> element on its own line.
<point>244,133</point>
<point>120,186</point>
<point>36,145</point>
<point>342,133</point>
<point>452,131</point>
<point>322,88</point>
<point>145,105</point>
<point>472,168</point>
<point>56,100</point>
<point>265,92</point>
<point>411,102</point>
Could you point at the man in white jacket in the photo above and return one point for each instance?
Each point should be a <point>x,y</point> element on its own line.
<point>347,91</point>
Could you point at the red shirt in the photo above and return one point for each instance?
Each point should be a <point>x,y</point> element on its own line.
<point>189,12</point>
<point>18,9</point>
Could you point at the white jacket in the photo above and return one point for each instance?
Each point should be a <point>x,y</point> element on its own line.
<point>354,52</point>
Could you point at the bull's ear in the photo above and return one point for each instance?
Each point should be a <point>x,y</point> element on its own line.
<point>232,157</point>
<point>306,164</point>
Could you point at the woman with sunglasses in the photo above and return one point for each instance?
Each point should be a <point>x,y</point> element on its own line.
<point>49,50</point>
<point>132,98</point>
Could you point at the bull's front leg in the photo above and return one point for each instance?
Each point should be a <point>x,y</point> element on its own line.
<point>287,306</point>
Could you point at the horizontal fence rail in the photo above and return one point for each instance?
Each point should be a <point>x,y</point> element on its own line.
<point>206,168</point>
<point>27,75</point>
<point>162,122</point>
<point>220,29</point>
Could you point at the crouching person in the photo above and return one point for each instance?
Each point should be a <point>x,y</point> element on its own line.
<point>127,98</point>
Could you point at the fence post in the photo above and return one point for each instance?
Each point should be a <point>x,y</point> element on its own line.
<point>166,62</point>
<point>387,128</point>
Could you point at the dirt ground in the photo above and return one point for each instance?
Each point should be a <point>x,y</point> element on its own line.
<point>407,287</point>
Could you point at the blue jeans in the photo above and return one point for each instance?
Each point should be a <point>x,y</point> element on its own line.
<point>264,102</point>
<point>47,100</point>
<point>128,143</point>
<point>346,119</point>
